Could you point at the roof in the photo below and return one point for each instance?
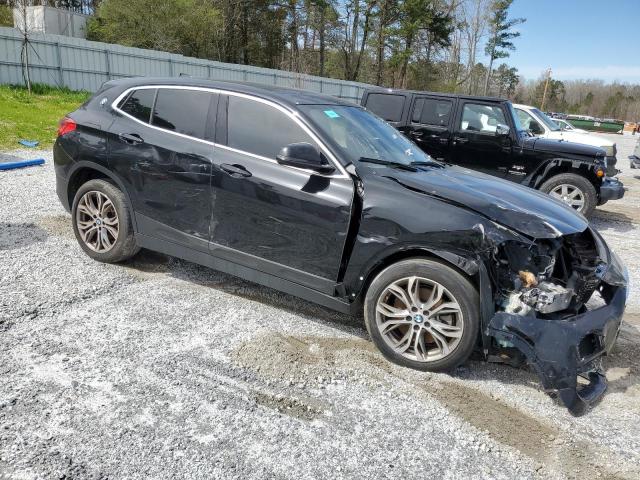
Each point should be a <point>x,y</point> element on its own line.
<point>282,95</point>
<point>439,94</point>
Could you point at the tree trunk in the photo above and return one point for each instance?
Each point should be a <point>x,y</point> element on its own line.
<point>486,82</point>
<point>294,64</point>
<point>384,9</point>
<point>244,32</point>
<point>321,37</point>
<point>363,43</point>
<point>405,61</point>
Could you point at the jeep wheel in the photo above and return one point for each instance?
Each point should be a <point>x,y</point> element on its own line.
<point>102,222</point>
<point>423,315</point>
<point>574,190</point>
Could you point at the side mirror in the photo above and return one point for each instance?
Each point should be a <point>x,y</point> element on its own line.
<point>304,155</point>
<point>502,130</point>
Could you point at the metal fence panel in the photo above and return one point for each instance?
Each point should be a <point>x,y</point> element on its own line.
<point>81,64</point>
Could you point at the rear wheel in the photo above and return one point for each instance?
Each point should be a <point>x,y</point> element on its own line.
<point>574,190</point>
<point>102,222</point>
<point>422,314</point>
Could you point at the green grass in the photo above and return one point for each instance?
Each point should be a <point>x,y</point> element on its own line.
<point>35,116</point>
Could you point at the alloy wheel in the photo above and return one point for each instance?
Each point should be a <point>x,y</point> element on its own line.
<point>569,194</point>
<point>419,319</point>
<point>97,221</point>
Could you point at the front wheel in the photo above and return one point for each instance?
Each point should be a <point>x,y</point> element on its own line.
<point>423,315</point>
<point>574,190</point>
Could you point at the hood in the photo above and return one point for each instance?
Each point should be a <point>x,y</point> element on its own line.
<point>542,144</point>
<point>520,208</point>
<point>583,138</point>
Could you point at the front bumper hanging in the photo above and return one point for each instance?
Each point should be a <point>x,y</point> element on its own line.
<point>561,350</point>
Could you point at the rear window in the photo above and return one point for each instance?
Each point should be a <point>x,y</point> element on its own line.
<point>386,106</point>
<point>182,111</point>
<point>139,103</point>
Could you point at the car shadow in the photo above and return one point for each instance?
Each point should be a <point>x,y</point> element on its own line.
<point>20,235</point>
<point>147,262</point>
<point>618,221</point>
<point>624,362</point>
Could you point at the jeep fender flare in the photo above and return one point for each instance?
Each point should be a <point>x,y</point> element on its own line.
<point>542,173</point>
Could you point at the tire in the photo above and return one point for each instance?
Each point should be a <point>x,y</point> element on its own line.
<point>100,209</point>
<point>554,186</point>
<point>428,354</point>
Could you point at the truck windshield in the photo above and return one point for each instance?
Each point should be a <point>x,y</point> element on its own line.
<point>357,134</point>
<point>516,119</point>
<point>551,125</point>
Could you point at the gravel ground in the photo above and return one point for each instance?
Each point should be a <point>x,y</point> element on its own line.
<point>159,368</point>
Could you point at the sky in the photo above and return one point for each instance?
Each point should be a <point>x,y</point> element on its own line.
<point>578,39</point>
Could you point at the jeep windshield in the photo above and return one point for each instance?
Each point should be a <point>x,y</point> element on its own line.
<point>361,136</point>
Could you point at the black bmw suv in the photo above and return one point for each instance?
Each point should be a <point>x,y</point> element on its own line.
<point>318,198</point>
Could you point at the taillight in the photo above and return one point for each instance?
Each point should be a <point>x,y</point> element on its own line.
<point>65,126</point>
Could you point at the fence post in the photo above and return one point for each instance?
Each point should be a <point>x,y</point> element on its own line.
<point>244,74</point>
<point>59,55</point>
<point>170,67</point>
<point>107,62</point>
<point>275,78</point>
<point>208,71</point>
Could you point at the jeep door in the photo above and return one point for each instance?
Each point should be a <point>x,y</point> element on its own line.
<point>282,220</point>
<point>429,125</point>
<point>477,143</point>
<point>161,147</point>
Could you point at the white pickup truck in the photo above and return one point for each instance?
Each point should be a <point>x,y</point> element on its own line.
<point>541,125</point>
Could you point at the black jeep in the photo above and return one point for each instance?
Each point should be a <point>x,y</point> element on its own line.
<point>484,134</point>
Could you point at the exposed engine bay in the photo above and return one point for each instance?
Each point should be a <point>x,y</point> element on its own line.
<point>543,291</point>
<point>553,278</point>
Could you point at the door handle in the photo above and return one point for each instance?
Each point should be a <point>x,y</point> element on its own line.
<point>235,170</point>
<point>130,138</point>
<point>460,140</point>
<point>417,134</point>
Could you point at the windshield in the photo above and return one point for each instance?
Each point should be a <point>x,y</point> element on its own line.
<point>551,125</point>
<point>359,134</point>
<point>516,118</point>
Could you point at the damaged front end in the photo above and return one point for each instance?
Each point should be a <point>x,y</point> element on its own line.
<point>558,305</point>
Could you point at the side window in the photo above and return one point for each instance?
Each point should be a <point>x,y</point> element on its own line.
<point>435,111</point>
<point>481,118</point>
<point>261,129</point>
<point>139,103</point>
<point>386,106</point>
<point>182,111</point>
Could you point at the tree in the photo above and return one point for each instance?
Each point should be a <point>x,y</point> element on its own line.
<point>506,80</point>
<point>501,34</point>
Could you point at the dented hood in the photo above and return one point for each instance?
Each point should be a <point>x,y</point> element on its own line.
<point>520,208</point>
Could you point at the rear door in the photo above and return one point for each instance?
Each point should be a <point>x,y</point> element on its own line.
<point>281,220</point>
<point>429,125</point>
<point>161,146</point>
<point>475,143</point>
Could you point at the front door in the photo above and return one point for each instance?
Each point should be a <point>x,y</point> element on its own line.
<point>161,146</point>
<point>476,142</point>
<point>430,125</point>
<point>278,219</point>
